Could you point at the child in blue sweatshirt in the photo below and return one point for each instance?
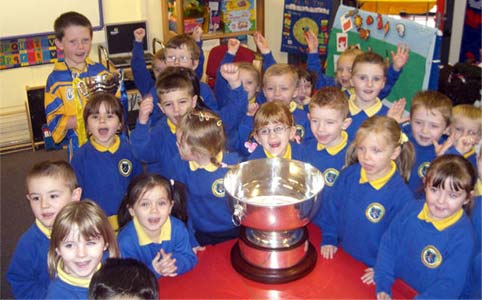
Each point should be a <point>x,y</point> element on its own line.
<point>201,142</point>
<point>142,77</point>
<point>369,193</point>
<point>430,115</point>
<point>430,243</point>
<point>105,164</point>
<point>274,130</point>
<point>50,186</point>
<point>344,65</point>
<point>152,235</point>
<point>82,238</point>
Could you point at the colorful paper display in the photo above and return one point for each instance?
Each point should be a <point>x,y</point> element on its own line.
<point>28,51</point>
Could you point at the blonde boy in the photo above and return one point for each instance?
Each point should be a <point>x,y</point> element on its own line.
<point>50,186</point>
<point>430,116</point>
<point>466,130</point>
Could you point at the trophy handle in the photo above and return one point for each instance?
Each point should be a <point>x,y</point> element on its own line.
<point>102,52</point>
<point>157,41</point>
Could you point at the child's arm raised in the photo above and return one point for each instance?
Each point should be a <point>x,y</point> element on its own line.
<point>197,36</point>
<point>399,60</point>
<point>262,44</point>
<point>142,76</point>
<point>313,62</point>
<point>220,85</point>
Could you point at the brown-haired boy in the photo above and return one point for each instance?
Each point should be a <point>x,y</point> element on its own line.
<point>65,92</point>
<point>50,186</point>
<point>430,115</point>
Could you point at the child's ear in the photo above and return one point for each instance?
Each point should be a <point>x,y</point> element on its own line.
<point>77,194</point>
<point>106,246</point>
<point>292,132</point>
<point>346,123</point>
<point>131,211</point>
<point>58,44</point>
<point>194,101</point>
<point>195,63</point>
<point>309,116</point>
<point>470,197</point>
<point>396,153</point>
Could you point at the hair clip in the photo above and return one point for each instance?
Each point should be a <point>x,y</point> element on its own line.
<point>219,123</point>
<point>171,181</point>
<point>403,138</point>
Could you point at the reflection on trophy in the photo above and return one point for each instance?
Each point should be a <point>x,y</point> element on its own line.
<point>103,82</point>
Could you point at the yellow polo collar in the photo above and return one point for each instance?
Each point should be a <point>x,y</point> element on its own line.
<point>370,111</point>
<point>468,154</point>
<point>72,280</point>
<point>292,106</point>
<point>252,100</point>
<point>172,126</point>
<point>210,167</point>
<point>43,228</point>
<point>380,182</point>
<point>286,155</point>
<point>112,149</point>
<point>440,225</point>
<point>333,150</point>
<point>144,239</point>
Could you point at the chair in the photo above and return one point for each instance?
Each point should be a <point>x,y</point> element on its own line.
<point>216,55</point>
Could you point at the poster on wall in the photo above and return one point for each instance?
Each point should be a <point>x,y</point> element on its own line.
<point>382,34</point>
<point>28,51</point>
<point>300,16</point>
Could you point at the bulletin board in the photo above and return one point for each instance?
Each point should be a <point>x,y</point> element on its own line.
<point>26,40</point>
<point>381,34</point>
<point>300,16</point>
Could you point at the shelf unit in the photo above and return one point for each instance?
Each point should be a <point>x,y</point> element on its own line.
<point>167,34</point>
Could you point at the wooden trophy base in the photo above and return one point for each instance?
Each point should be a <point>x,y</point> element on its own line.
<point>273,276</point>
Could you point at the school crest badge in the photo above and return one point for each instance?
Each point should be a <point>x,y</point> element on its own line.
<point>300,131</point>
<point>125,167</point>
<point>69,93</point>
<point>422,169</point>
<point>375,212</point>
<point>330,175</point>
<point>431,257</point>
<point>218,188</point>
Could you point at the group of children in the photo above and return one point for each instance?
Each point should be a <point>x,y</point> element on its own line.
<point>397,197</point>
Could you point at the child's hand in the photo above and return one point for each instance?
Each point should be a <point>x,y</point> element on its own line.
<point>139,34</point>
<point>383,296</point>
<point>261,43</point>
<point>328,251</point>
<point>145,109</point>
<point>440,149</point>
<point>368,277</point>
<point>197,33</point>
<point>164,264</point>
<point>233,46</point>
<point>312,41</point>
<point>252,108</point>
<point>400,59</point>
<point>230,72</point>
<point>71,122</point>
<point>197,249</point>
<point>465,143</point>
<point>396,111</point>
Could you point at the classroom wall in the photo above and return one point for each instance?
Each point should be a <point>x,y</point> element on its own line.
<point>13,81</point>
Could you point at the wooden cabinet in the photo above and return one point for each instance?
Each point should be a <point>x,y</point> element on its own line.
<point>178,7</point>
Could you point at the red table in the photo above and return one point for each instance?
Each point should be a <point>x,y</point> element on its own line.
<point>214,277</point>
